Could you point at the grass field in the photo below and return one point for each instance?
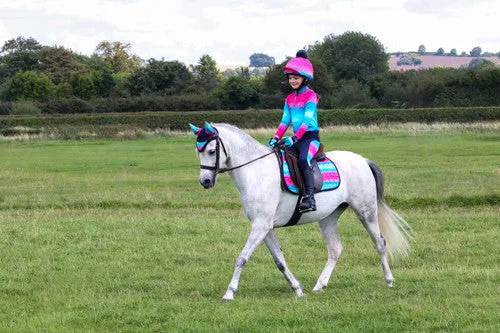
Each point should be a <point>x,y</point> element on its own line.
<point>118,236</point>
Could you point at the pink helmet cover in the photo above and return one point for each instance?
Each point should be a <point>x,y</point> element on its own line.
<point>300,65</point>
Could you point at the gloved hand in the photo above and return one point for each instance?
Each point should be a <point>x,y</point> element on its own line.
<point>272,142</point>
<point>290,140</point>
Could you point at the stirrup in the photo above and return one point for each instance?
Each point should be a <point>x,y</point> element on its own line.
<point>303,207</point>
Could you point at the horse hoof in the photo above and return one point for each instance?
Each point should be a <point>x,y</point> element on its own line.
<point>229,296</point>
<point>319,288</point>
<point>299,290</point>
<point>299,293</point>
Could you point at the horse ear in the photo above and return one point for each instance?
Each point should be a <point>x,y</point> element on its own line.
<point>209,129</point>
<point>195,129</point>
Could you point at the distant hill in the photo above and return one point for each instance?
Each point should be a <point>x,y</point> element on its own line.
<point>429,61</point>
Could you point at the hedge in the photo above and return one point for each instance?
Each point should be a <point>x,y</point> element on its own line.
<point>250,118</point>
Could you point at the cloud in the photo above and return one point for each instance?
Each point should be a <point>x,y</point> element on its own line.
<point>447,7</point>
<point>231,31</point>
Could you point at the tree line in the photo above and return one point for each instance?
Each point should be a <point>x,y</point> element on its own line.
<point>475,52</point>
<point>351,71</point>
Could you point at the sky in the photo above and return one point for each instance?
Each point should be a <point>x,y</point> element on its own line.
<point>231,31</point>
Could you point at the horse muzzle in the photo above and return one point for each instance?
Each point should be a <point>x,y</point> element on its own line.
<point>207,182</point>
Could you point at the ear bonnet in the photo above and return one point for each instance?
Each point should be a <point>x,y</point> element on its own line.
<point>204,135</point>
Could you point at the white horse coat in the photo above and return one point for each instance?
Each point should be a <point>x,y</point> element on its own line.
<point>255,172</point>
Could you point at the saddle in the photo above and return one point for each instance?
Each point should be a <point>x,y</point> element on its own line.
<point>326,176</point>
<point>291,157</point>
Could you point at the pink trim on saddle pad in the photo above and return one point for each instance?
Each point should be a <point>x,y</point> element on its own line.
<point>329,172</point>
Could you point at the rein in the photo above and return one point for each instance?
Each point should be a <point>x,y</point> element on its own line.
<point>216,167</point>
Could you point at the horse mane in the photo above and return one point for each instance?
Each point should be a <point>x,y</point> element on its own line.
<point>248,140</point>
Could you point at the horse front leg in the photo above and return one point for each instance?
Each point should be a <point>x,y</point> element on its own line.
<point>256,236</point>
<point>273,244</point>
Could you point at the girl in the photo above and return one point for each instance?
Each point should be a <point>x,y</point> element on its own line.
<point>301,111</point>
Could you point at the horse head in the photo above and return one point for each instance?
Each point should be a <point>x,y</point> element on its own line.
<point>208,147</point>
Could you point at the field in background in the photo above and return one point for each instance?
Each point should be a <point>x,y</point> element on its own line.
<point>431,61</point>
<point>117,235</point>
<point>428,61</point>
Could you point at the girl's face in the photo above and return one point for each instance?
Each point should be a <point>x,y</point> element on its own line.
<point>295,80</point>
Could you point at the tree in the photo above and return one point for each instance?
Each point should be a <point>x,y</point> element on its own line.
<point>352,94</point>
<point>19,54</point>
<point>58,63</point>
<point>421,49</point>
<point>87,84</point>
<point>160,76</point>
<point>261,60</point>
<point>453,52</point>
<point>239,92</point>
<point>352,55</point>
<point>103,83</point>
<point>476,52</point>
<point>82,85</point>
<point>95,62</point>
<point>206,73</point>
<point>409,59</point>
<point>440,51</point>
<point>118,55</point>
<point>31,85</point>
<point>109,79</point>
<point>275,81</point>
<point>255,72</point>
<point>478,62</point>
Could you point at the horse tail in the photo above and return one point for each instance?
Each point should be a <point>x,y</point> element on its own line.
<point>394,228</point>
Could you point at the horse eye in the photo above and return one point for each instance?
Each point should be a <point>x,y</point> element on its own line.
<point>211,152</point>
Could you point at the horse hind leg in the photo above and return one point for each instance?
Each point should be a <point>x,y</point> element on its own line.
<point>274,247</point>
<point>329,230</point>
<point>368,215</point>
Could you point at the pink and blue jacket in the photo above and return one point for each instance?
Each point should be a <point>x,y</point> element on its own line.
<point>300,110</point>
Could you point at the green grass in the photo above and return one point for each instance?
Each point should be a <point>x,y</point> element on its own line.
<point>114,236</point>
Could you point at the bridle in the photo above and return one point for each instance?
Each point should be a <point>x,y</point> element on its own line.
<point>216,168</point>
<point>218,144</point>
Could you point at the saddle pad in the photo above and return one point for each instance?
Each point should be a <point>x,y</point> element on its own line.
<point>329,173</point>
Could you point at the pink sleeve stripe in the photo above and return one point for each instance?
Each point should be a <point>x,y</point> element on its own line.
<point>300,132</point>
<point>281,130</point>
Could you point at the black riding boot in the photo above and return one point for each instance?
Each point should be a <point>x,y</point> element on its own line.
<point>307,203</point>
